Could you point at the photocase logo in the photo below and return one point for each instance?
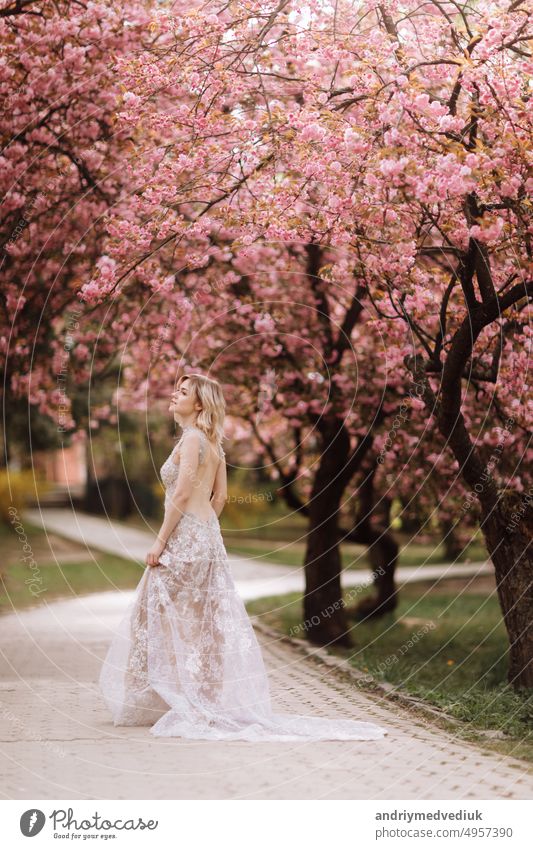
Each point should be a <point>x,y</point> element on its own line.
<point>32,822</point>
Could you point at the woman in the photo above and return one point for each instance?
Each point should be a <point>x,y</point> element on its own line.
<point>185,659</point>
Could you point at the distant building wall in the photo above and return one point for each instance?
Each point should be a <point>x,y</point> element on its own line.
<point>65,466</point>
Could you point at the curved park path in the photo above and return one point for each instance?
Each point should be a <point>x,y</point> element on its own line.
<point>57,741</point>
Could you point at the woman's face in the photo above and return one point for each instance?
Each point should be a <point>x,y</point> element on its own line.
<point>182,403</point>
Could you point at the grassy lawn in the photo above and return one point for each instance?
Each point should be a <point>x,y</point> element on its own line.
<point>74,574</point>
<point>353,556</point>
<point>447,647</point>
<point>280,538</point>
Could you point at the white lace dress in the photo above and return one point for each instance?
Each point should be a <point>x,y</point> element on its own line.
<point>185,658</point>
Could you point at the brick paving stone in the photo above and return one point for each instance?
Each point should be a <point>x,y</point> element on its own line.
<point>57,740</point>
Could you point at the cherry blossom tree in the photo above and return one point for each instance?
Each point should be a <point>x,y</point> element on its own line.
<point>396,136</point>
<point>61,170</point>
<point>262,319</point>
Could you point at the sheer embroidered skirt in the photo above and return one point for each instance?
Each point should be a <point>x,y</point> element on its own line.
<point>185,659</point>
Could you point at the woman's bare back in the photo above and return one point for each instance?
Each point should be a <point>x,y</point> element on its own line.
<point>210,458</point>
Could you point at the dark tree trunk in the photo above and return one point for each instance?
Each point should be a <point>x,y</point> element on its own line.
<point>383,556</point>
<point>324,611</point>
<point>382,551</point>
<point>506,517</point>
<point>453,549</point>
<point>5,453</point>
<point>509,538</point>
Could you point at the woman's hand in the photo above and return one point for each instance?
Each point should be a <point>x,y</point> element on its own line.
<point>152,558</point>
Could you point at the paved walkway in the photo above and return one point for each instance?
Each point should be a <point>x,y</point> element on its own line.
<point>57,740</point>
<point>253,578</point>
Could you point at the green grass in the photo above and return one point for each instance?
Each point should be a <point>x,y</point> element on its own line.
<point>460,665</point>
<point>353,556</point>
<point>280,538</point>
<point>65,580</point>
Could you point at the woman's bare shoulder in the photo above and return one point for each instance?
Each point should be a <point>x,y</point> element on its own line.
<point>187,441</point>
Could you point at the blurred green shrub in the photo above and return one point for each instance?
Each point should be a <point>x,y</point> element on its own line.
<point>248,501</point>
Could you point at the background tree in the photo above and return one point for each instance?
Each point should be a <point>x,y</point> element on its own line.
<point>61,170</point>
<point>397,136</point>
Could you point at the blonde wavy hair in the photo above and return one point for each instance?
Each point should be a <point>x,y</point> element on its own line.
<point>208,393</point>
